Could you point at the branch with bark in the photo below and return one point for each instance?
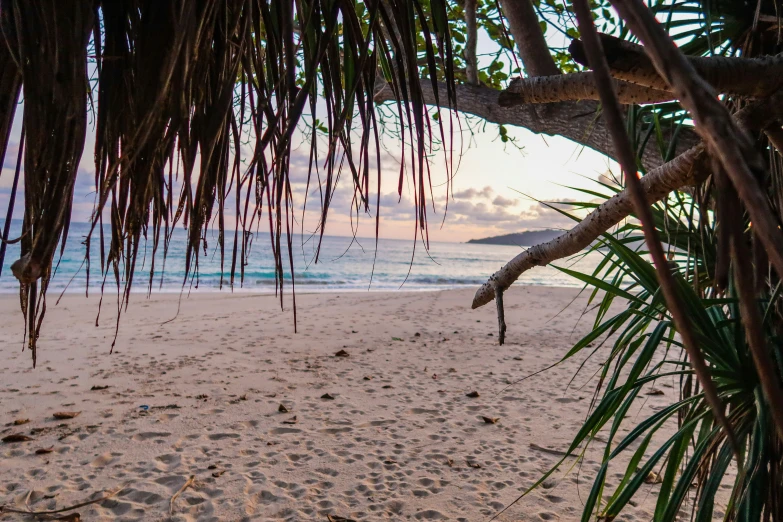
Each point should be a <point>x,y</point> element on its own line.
<point>572,87</point>
<point>687,169</point>
<point>753,77</point>
<point>575,120</point>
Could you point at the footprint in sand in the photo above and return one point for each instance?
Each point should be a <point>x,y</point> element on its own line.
<point>283,431</point>
<point>168,461</point>
<point>221,436</point>
<point>147,435</point>
<point>104,459</point>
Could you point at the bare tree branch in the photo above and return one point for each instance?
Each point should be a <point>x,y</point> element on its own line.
<point>577,121</point>
<point>754,77</point>
<point>576,86</point>
<point>685,169</point>
<point>532,47</point>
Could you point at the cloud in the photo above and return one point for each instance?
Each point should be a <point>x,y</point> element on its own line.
<point>500,201</point>
<point>11,155</point>
<point>473,193</point>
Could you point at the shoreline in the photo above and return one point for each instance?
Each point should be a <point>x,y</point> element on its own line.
<point>389,432</point>
<point>308,290</point>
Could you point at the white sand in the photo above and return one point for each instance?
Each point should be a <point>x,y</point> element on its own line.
<point>399,441</point>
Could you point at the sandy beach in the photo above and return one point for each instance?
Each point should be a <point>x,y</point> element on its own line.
<point>272,425</point>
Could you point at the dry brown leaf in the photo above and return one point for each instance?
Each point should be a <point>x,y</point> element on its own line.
<point>341,353</point>
<point>16,437</point>
<point>73,517</point>
<point>653,478</point>
<point>473,464</point>
<point>490,420</point>
<point>65,415</point>
<point>338,518</point>
<point>654,391</point>
<point>19,422</point>
<point>327,396</point>
<point>98,387</point>
<point>472,395</point>
<point>283,409</point>
<point>44,451</point>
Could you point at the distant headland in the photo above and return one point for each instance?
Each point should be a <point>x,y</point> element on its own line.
<point>526,238</point>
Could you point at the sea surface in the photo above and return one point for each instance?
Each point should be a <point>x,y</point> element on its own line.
<point>345,264</point>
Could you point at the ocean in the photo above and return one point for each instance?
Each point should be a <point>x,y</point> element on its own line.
<point>345,264</point>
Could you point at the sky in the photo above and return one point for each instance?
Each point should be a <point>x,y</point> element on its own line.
<point>494,191</point>
<point>495,186</point>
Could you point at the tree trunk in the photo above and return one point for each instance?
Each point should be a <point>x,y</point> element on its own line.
<point>532,47</point>
<point>471,60</point>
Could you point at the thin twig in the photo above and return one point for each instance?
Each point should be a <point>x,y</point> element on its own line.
<point>552,451</point>
<point>6,509</point>
<point>185,486</point>
<point>501,315</point>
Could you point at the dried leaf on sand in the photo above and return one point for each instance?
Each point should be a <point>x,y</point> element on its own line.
<point>65,415</point>
<point>16,437</point>
<point>338,518</point>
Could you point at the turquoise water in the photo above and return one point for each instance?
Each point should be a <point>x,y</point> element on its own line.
<point>344,264</point>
